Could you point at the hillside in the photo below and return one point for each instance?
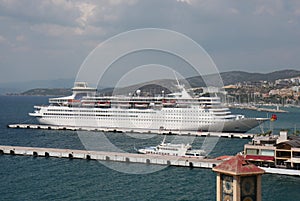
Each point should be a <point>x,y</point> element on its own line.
<point>47,92</point>
<point>239,76</point>
<point>19,87</point>
<point>233,77</point>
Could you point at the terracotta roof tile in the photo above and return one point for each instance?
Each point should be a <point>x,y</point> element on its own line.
<point>238,166</point>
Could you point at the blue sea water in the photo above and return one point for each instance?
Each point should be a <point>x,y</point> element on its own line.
<point>28,178</point>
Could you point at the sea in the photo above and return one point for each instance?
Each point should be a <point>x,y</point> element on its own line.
<point>33,178</point>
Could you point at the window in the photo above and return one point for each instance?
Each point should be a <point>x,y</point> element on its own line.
<point>252,151</point>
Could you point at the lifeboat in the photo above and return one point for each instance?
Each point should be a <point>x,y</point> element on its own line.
<point>103,104</point>
<point>168,103</point>
<point>88,103</point>
<point>73,101</point>
<point>141,105</point>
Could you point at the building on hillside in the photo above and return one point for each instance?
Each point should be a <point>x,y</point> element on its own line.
<point>282,92</point>
<point>295,80</point>
<point>296,89</point>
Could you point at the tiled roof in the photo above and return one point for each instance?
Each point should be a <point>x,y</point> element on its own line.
<point>238,166</point>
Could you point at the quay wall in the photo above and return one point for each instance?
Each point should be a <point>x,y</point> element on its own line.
<point>141,131</point>
<point>109,156</point>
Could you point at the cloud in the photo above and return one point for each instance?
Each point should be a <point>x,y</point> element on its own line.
<point>59,31</point>
<point>53,29</point>
<point>2,39</point>
<point>63,17</point>
<point>185,1</point>
<point>86,11</point>
<point>20,38</point>
<point>237,34</point>
<point>36,11</point>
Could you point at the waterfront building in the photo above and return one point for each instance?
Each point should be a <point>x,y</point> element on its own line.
<point>274,151</point>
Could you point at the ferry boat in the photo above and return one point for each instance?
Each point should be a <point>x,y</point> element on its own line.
<point>168,149</point>
<point>172,112</point>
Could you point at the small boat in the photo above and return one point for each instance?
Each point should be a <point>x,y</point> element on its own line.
<point>91,104</point>
<point>103,104</point>
<point>169,103</point>
<point>168,149</point>
<point>141,105</point>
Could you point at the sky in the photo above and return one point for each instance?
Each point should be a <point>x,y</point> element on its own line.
<point>50,39</point>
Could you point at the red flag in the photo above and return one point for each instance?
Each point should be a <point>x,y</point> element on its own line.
<point>274,117</point>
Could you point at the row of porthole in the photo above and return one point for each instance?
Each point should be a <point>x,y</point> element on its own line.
<point>114,115</point>
<point>120,119</point>
<point>104,111</point>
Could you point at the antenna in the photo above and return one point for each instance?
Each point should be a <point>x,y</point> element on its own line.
<point>176,78</point>
<point>163,142</point>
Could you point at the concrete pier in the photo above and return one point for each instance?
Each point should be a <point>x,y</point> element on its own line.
<point>110,156</point>
<point>126,158</point>
<point>260,109</point>
<point>136,130</point>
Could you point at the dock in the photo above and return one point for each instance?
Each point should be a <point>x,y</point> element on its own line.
<point>126,158</point>
<point>281,171</point>
<point>110,156</point>
<point>136,130</point>
<point>260,109</point>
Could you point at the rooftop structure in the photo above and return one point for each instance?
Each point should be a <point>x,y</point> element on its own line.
<point>237,165</point>
<point>285,153</point>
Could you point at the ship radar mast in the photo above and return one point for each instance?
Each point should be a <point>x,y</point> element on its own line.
<point>183,92</point>
<point>178,84</point>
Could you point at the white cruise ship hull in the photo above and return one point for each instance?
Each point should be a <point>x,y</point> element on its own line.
<point>166,119</point>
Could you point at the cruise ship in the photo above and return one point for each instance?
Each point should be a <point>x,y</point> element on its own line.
<point>168,149</point>
<point>172,112</point>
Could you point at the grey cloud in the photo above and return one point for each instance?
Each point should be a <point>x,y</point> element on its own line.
<point>239,35</point>
<point>36,11</point>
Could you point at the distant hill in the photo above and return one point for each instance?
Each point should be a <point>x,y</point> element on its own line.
<point>233,77</point>
<point>18,87</point>
<point>47,92</point>
<point>239,76</point>
<point>62,87</point>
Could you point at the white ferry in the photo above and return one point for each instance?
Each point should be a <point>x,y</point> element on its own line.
<point>168,149</point>
<point>172,112</point>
